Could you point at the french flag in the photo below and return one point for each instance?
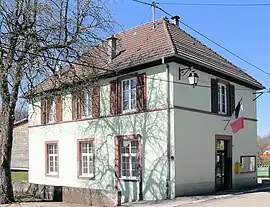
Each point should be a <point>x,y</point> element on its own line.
<point>237,119</point>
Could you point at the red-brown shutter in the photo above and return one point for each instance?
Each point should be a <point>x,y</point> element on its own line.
<point>119,97</point>
<point>113,96</point>
<point>59,109</point>
<point>141,91</point>
<point>214,95</point>
<point>43,111</point>
<point>76,106</point>
<point>117,162</point>
<point>96,102</point>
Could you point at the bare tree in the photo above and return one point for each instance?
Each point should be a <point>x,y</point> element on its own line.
<point>37,37</point>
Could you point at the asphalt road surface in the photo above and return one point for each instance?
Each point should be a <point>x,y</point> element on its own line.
<point>245,200</point>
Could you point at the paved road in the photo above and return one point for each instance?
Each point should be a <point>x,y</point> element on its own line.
<point>245,200</point>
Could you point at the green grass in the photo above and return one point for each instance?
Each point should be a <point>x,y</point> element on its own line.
<point>19,176</point>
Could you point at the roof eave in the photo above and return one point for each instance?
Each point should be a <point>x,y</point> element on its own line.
<point>256,86</point>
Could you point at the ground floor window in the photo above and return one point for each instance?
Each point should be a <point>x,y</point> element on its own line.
<point>86,158</point>
<point>52,158</point>
<point>129,154</point>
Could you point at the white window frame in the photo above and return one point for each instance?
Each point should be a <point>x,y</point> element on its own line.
<point>88,155</point>
<point>86,105</point>
<point>220,85</point>
<point>130,156</point>
<point>54,156</point>
<point>52,110</point>
<point>129,98</point>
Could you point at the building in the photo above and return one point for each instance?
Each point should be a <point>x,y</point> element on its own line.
<point>19,158</point>
<point>138,129</point>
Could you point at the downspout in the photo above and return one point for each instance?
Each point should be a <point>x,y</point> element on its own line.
<point>168,180</point>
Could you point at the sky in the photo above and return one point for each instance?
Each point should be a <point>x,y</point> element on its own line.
<point>243,30</point>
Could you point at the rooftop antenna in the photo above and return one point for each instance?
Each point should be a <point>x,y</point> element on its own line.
<point>154,6</point>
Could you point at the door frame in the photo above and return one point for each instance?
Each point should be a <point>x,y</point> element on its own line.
<point>230,154</point>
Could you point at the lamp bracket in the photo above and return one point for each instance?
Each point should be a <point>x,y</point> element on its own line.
<point>183,71</point>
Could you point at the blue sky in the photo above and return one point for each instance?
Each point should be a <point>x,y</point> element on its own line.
<point>243,30</point>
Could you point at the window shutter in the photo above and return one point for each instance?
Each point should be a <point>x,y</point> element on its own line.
<point>76,106</point>
<point>141,91</point>
<point>96,102</point>
<point>230,99</point>
<point>59,108</point>
<point>214,96</point>
<point>119,97</point>
<point>43,111</point>
<point>113,96</point>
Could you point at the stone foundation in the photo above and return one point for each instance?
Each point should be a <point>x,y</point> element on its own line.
<point>43,192</point>
<point>84,196</point>
<point>91,197</point>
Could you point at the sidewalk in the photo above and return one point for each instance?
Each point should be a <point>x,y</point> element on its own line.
<point>177,202</point>
<point>180,201</point>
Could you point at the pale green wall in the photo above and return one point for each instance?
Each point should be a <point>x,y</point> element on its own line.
<point>195,135</point>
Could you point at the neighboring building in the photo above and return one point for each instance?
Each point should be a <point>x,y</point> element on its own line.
<point>19,158</point>
<point>139,128</point>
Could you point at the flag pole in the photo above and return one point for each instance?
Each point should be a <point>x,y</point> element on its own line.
<point>231,117</point>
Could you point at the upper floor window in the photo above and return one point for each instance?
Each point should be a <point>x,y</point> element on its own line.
<point>222,97</point>
<point>86,103</point>
<point>129,94</point>
<point>52,158</point>
<point>51,109</point>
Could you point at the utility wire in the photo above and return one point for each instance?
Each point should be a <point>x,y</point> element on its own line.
<point>218,4</point>
<point>219,45</point>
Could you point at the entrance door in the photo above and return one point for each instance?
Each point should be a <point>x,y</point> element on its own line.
<point>223,164</point>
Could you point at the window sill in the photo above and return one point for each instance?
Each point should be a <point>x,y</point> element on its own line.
<point>86,177</point>
<point>129,179</point>
<point>52,175</point>
<point>247,172</point>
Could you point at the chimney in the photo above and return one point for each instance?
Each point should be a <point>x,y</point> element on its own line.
<point>111,47</point>
<point>176,20</point>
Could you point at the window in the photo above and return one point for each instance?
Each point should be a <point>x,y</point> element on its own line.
<point>222,99</point>
<point>86,105</point>
<point>86,158</point>
<point>129,159</point>
<point>51,109</point>
<point>248,164</point>
<point>129,94</point>
<point>52,159</point>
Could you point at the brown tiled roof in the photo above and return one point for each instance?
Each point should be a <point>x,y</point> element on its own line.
<point>143,44</point>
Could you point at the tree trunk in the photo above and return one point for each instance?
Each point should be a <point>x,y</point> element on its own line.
<point>6,136</point>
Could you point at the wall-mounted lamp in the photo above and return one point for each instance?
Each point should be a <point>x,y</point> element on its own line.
<point>193,77</point>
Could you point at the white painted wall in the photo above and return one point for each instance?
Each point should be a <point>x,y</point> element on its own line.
<point>152,126</point>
